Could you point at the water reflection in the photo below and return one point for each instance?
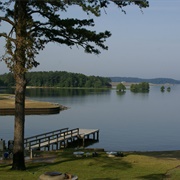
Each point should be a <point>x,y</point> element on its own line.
<point>52,92</point>
<point>120,93</point>
<point>129,121</point>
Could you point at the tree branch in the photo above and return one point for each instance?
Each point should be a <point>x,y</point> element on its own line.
<point>3,35</point>
<point>38,25</point>
<point>7,37</point>
<point>7,20</point>
<point>39,12</point>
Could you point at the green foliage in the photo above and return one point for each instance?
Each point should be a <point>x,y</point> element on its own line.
<point>121,87</point>
<point>162,88</point>
<point>1,83</point>
<point>36,23</point>
<point>141,87</point>
<point>59,79</point>
<point>168,89</point>
<point>7,79</point>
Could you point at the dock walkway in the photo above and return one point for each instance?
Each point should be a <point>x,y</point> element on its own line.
<point>60,138</point>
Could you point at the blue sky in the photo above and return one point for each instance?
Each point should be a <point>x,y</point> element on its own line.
<point>144,45</point>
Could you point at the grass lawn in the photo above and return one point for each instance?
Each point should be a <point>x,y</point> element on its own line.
<point>147,165</point>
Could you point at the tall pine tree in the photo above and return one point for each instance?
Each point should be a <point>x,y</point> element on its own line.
<point>34,23</point>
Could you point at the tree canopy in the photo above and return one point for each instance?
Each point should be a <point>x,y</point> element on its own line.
<point>33,24</point>
<point>141,87</point>
<point>121,87</point>
<point>58,79</point>
<point>41,23</point>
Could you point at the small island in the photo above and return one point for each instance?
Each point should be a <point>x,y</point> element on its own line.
<point>32,107</point>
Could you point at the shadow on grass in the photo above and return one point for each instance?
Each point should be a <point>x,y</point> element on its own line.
<point>35,165</point>
<point>5,165</point>
<point>153,177</point>
<point>104,162</point>
<point>5,162</point>
<point>118,164</point>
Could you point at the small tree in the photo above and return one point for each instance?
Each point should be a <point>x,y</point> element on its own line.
<point>134,87</point>
<point>168,89</point>
<point>121,87</point>
<point>144,86</point>
<point>162,88</point>
<point>33,24</point>
<point>141,87</point>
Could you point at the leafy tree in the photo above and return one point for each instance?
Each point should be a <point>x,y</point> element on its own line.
<point>141,87</point>
<point>88,84</point>
<point>162,88</point>
<point>34,24</point>
<point>98,83</point>
<point>1,83</point>
<point>144,86</point>
<point>134,88</point>
<point>168,89</point>
<point>8,79</point>
<point>121,87</point>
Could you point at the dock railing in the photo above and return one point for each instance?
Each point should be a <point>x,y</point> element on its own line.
<point>37,139</point>
<point>47,139</point>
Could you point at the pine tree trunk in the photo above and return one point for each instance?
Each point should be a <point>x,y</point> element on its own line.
<point>18,150</point>
<point>20,16</point>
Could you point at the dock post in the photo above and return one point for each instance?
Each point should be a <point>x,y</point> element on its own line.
<point>31,154</point>
<point>39,143</point>
<point>57,145</point>
<point>97,135</point>
<point>94,136</point>
<point>83,138</point>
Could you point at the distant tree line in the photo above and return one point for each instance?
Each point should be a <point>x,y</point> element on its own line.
<point>58,79</point>
<point>7,79</point>
<point>141,87</point>
<point>1,83</point>
<point>139,80</point>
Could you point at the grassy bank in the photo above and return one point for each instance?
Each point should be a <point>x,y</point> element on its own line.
<point>7,104</point>
<point>134,165</point>
<point>7,101</point>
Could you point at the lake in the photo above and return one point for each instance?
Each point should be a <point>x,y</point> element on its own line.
<point>127,122</point>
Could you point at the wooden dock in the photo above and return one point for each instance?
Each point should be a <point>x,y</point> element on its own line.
<point>60,138</point>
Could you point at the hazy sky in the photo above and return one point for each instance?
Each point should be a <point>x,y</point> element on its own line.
<point>144,45</point>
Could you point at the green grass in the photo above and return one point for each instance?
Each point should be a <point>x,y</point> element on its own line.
<point>148,165</point>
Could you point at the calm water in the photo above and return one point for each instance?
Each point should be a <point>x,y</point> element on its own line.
<point>143,121</point>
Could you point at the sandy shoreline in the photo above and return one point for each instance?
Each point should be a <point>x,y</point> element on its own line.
<point>7,106</point>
